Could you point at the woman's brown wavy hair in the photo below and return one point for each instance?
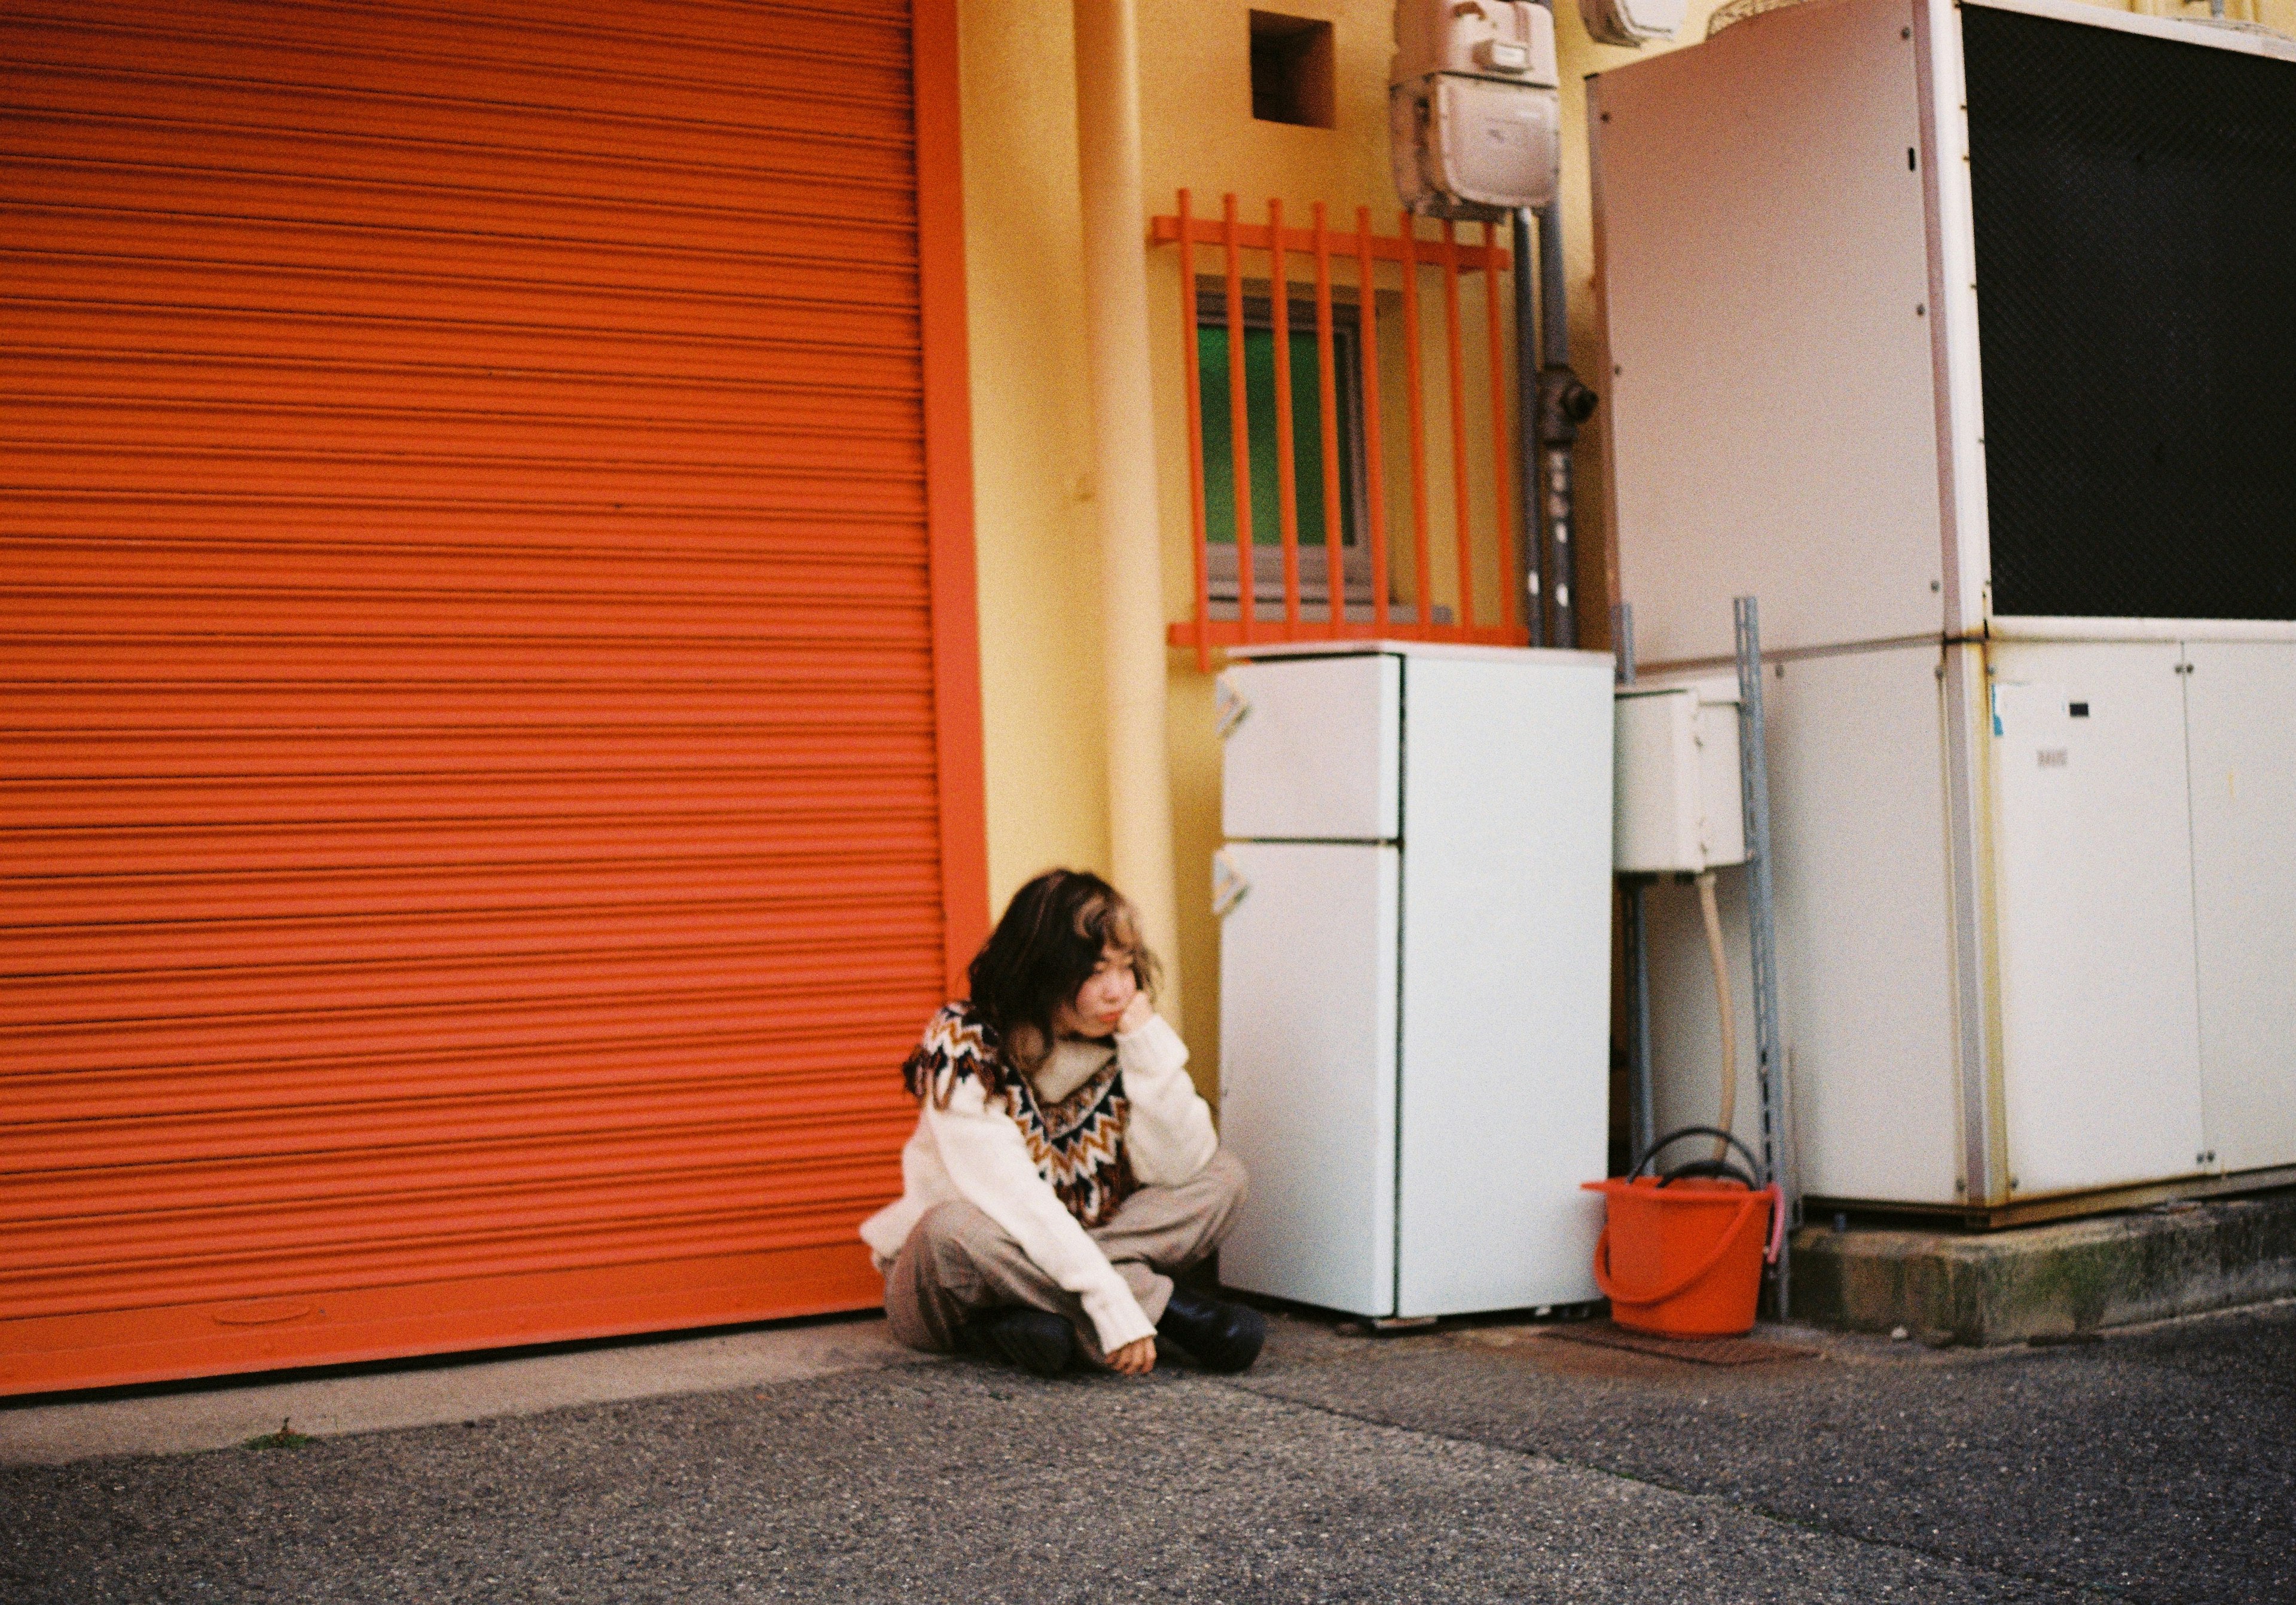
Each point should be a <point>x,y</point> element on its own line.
<point>1043,950</point>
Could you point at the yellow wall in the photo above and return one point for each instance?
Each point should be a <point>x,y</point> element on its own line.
<point>1038,562</point>
<point>2279,15</point>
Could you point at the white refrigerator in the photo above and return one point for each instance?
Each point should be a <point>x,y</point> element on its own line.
<point>1415,973</point>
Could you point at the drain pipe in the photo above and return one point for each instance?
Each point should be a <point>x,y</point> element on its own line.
<point>1123,474</point>
<point>1563,404</point>
<point>1526,525</point>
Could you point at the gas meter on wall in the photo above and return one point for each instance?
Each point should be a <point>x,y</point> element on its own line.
<point>1474,113</point>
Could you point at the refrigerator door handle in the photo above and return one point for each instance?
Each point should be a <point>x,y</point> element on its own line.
<point>1228,885</point>
<point>1229,707</point>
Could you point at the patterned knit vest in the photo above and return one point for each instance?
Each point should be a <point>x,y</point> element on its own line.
<point>1076,1144</point>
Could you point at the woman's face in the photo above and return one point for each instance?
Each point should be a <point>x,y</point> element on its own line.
<point>1100,1003</point>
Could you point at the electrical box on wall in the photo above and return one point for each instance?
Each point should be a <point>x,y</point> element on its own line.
<point>1474,109</point>
<point>1679,808</point>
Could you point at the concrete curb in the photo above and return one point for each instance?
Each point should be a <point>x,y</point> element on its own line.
<point>2050,1281</point>
<point>224,1413</point>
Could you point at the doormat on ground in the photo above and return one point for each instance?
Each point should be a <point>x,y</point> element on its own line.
<point>1698,1351</point>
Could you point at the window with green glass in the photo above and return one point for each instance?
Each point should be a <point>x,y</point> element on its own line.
<point>1318,524</point>
<point>1306,438</point>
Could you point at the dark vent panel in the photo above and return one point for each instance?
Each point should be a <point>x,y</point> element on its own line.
<point>2135,222</point>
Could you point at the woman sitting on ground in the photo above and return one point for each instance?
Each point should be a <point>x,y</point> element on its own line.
<point>1063,1169</point>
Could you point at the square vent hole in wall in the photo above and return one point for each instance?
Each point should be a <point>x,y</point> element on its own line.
<point>1291,70</point>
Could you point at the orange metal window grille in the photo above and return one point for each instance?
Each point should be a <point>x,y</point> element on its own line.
<point>1390,274</point>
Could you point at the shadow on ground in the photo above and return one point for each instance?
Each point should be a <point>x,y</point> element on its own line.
<point>1488,1464</point>
<point>2157,1464</point>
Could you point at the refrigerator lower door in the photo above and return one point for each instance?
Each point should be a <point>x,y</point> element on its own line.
<point>1308,1058</point>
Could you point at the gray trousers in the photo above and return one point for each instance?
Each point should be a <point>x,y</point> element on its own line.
<point>958,1262</point>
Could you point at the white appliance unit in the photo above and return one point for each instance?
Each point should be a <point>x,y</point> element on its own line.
<point>1680,809</point>
<point>1960,335</point>
<point>1415,973</point>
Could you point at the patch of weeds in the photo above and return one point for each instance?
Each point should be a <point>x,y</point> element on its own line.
<point>286,1437</point>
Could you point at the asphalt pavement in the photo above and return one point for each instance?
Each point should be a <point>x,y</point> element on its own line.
<point>1476,1463</point>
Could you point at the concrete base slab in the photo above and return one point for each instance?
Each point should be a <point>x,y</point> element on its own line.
<point>2055,1281</point>
<point>217,1416</point>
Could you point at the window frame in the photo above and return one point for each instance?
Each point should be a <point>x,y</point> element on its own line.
<point>1352,516</point>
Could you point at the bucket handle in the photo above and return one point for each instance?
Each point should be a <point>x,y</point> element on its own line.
<point>1676,1135</point>
<point>1777,1233</point>
<point>1753,1200</point>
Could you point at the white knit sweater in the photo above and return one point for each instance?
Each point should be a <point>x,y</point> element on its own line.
<point>972,1149</point>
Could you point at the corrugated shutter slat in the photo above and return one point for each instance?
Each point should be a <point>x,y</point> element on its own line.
<point>468,789</point>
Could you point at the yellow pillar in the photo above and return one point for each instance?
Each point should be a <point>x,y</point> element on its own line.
<point>1124,472</point>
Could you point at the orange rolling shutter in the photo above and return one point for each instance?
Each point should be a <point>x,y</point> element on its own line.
<point>491,757</point>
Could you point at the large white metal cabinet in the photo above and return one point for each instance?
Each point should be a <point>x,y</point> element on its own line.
<point>1893,297</point>
<point>1414,974</point>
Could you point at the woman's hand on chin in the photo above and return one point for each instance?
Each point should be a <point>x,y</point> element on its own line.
<point>1136,1013</point>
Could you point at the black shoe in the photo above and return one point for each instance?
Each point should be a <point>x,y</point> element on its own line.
<point>1218,1336</point>
<point>1037,1341</point>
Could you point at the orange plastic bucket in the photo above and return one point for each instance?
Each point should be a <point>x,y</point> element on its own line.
<point>1683,1257</point>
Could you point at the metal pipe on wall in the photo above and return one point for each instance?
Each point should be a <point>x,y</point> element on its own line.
<point>1551,406</point>
<point>1643,1115</point>
<point>1761,922</point>
<point>1528,524</point>
<point>1124,473</point>
<point>1564,405</point>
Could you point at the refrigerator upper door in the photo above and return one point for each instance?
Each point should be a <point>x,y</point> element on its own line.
<point>1308,1056</point>
<point>1312,749</point>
